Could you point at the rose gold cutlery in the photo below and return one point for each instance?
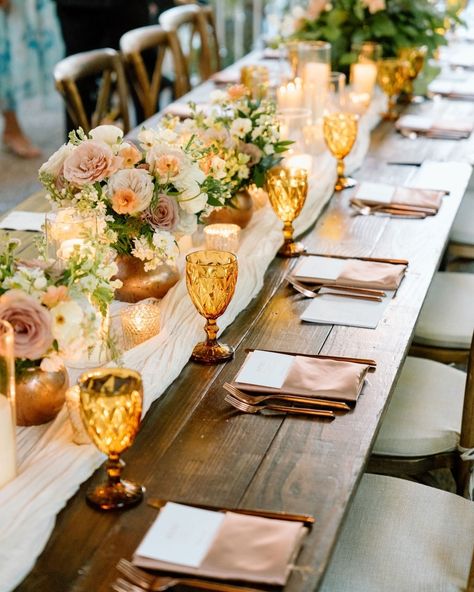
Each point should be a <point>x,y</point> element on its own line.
<point>307,519</point>
<point>247,408</point>
<point>255,399</point>
<point>430,211</point>
<point>310,294</point>
<point>378,210</point>
<point>316,286</point>
<point>145,581</point>
<point>376,259</point>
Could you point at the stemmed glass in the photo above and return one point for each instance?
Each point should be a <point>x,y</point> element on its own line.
<point>415,56</point>
<point>287,190</point>
<point>392,75</point>
<point>340,133</point>
<point>210,278</point>
<point>111,407</point>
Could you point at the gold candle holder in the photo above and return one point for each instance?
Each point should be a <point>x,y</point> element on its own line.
<point>222,237</point>
<point>140,322</point>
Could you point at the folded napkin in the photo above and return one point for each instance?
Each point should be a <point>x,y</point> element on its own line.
<point>226,77</point>
<point>350,272</point>
<point>383,194</point>
<point>183,110</point>
<point>422,124</point>
<point>308,376</point>
<point>245,548</point>
<point>453,88</point>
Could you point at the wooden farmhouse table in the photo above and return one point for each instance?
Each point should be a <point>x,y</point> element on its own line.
<point>194,447</point>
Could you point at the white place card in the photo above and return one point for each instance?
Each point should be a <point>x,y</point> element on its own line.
<point>333,310</point>
<point>263,368</point>
<point>181,534</point>
<point>23,221</point>
<point>314,267</point>
<point>379,192</point>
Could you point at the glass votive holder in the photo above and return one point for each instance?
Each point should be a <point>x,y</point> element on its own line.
<point>66,231</point>
<point>222,237</point>
<point>290,95</point>
<point>140,322</point>
<point>294,124</point>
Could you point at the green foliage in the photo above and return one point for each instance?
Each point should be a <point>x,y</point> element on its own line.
<point>403,23</point>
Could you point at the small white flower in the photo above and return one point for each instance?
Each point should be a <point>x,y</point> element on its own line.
<point>218,96</point>
<point>269,149</point>
<point>66,321</point>
<point>147,138</point>
<point>240,127</point>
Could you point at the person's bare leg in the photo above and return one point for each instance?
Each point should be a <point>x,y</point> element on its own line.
<point>15,139</point>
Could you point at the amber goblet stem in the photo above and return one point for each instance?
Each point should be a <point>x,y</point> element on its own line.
<point>391,109</point>
<point>211,330</point>
<point>340,168</point>
<point>288,232</point>
<point>114,468</point>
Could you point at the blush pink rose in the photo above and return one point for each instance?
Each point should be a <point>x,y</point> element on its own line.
<point>164,215</point>
<point>31,323</point>
<point>90,162</point>
<point>251,150</point>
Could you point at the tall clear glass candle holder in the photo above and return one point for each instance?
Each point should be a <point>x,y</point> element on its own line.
<point>7,405</point>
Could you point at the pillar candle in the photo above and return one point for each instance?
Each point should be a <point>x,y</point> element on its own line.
<point>290,96</point>
<point>363,77</point>
<point>7,442</point>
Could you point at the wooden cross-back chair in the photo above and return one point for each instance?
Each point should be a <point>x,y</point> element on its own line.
<point>201,22</point>
<point>436,401</point>
<point>154,37</point>
<point>111,105</point>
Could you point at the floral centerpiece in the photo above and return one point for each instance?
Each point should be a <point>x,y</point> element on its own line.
<point>57,315</point>
<point>147,198</point>
<point>392,23</point>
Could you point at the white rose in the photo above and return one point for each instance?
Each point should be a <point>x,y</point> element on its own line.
<point>109,134</point>
<point>67,318</point>
<point>187,223</point>
<point>240,127</point>
<point>191,199</point>
<point>138,180</point>
<point>54,165</point>
<point>147,138</point>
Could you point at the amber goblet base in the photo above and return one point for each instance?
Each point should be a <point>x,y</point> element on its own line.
<point>115,493</point>
<point>344,183</point>
<point>212,353</point>
<point>291,249</point>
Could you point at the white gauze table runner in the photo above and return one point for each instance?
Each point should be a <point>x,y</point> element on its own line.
<point>51,467</point>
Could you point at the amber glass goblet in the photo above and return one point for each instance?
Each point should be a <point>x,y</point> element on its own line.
<point>392,75</point>
<point>287,190</point>
<point>340,133</point>
<point>415,56</point>
<point>111,407</point>
<point>210,278</point>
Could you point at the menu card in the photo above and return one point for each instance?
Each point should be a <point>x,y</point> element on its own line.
<point>228,546</point>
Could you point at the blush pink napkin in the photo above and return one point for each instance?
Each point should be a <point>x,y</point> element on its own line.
<point>321,378</point>
<point>371,274</point>
<point>246,548</point>
<point>411,196</point>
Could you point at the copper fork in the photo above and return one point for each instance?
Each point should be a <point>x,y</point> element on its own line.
<point>316,286</point>
<point>254,399</point>
<point>248,408</point>
<point>310,294</point>
<point>145,581</point>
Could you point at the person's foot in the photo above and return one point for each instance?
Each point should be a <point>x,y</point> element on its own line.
<point>20,145</point>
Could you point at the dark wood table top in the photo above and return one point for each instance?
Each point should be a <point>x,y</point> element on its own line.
<point>194,447</point>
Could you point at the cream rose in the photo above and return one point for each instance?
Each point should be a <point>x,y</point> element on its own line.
<point>90,162</point>
<point>54,164</point>
<point>109,134</point>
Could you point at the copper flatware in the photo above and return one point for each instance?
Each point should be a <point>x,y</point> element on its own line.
<point>305,518</point>
<point>255,398</point>
<point>311,294</point>
<point>376,259</point>
<point>343,288</point>
<point>365,361</point>
<point>287,409</point>
<point>383,211</point>
<point>394,206</point>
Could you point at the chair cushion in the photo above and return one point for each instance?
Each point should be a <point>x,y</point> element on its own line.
<point>425,411</point>
<point>463,227</point>
<point>447,316</point>
<point>401,536</point>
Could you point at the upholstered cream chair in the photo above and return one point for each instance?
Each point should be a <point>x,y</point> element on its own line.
<point>462,233</point>
<point>112,98</point>
<point>430,414</point>
<point>401,536</point>
<point>132,46</point>
<point>200,21</point>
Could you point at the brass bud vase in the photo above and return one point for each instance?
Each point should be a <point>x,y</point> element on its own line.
<point>40,395</point>
<point>139,284</point>
<point>240,212</point>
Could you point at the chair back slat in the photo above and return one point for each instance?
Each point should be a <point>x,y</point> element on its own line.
<point>111,105</point>
<point>467,425</point>
<point>133,44</point>
<point>201,21</point>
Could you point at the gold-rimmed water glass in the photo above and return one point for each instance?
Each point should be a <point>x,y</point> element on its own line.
<point>287,190</point>
<point>415,56</point>
<point>340,133</point>
<point>392,75</point>
<point>211,277</point>
<point>111,402</point>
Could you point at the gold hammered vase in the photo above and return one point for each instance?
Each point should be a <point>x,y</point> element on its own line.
<point>240,212</point>
<point>139,284</point>
<point>40,395</point>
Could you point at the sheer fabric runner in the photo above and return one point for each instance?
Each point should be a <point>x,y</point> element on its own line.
<point>52,467</point>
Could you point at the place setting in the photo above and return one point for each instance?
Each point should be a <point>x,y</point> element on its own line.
<point>414,126</point>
